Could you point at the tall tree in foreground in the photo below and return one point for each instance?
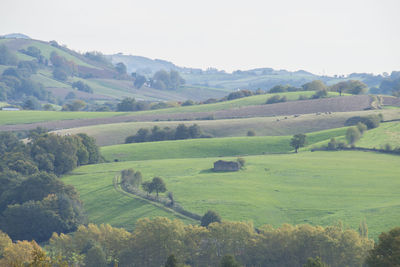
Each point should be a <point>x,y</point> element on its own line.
<point>297,141</point>
<point>387,251</point>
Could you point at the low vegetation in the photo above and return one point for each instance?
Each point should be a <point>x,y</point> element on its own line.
<point>157,134</point>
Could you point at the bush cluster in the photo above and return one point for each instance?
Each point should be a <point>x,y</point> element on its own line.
<point>159,134</point>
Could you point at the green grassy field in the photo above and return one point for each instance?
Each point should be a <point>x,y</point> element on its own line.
<point>115,133</point>
<point>386,133</point>
<point>29,116</point>
<point>210,147</point>
<point>236,103</point>
<point>104,204</point>
<point>310,187</point>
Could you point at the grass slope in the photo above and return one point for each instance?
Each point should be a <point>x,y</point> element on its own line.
<point>317,188</point>
<point>104,204</point>
<point>115,133</point>
<point>29,116</point>
<point>213,147</point>
<point>236,103</point>
<point>386,133</point>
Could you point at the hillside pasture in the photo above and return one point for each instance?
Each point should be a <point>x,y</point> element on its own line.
<point>210,147</point>
<point>386,133</point>
<point>104,204</point>
<point>319,188</point>
<point>31,116</point>
<point>115,133</point>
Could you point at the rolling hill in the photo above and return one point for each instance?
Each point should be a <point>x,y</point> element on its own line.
<point>271,189</point>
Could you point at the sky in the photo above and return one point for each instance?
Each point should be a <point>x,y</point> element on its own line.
<point>320,36</point>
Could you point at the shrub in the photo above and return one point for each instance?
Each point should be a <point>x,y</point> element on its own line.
<point>320,94</point>
<point>188,103</point>
<point>210,217</point>
<point>276,99</point>
<point>332,145</point>
<point>241,162</point>
<point>362,127</point>
<point>251,133</point>
<point>388,147</point>
<point>371,121</point>
<point>352,135</point>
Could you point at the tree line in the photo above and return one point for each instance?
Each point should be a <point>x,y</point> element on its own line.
<point>161,134</point>
<point>153,241</point>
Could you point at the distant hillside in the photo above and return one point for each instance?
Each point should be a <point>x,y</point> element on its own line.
<point>143,65</point>
<point>15,35</point>
<point>253,79</point>
<point>105,84</point>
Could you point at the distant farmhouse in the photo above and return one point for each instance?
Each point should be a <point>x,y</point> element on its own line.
<point>226,166</point>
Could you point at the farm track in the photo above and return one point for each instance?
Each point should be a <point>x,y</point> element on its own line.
<point>335,104</point>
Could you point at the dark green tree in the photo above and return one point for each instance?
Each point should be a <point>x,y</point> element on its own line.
<point>297,141</point>
<point>352,135</point>
<point>229,261</point>
<point>158,185</point>
<point>6,56</point>
<point>386,251</point>
<point>317,262</point>
<point>139,81</point>
<point>210,217</point>
<point>121,68</point>
<point>148,187</point>
<point>95,257</point>
<point>182,132</point>
<point>171,261</point>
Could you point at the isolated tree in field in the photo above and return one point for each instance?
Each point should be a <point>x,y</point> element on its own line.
<point>297,141</point>
<point>387,251</point>
<point>158,185</point>
<point>210,217</point>
<point>352,135</point>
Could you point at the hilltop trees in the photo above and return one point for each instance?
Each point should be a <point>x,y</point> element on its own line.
<point>297,141</point>
<point>6,57</point>
<point>121,68</point>
<point>353,87</point>
<point>62,67</point>
<point>164,80</point>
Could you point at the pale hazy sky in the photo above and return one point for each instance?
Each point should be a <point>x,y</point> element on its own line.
<point>334,37</point>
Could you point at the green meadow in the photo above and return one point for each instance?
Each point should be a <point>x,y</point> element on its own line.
<point>211,147</point>
<point>309,187</point>
<point>386,133</point>
<point>31,116</point>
